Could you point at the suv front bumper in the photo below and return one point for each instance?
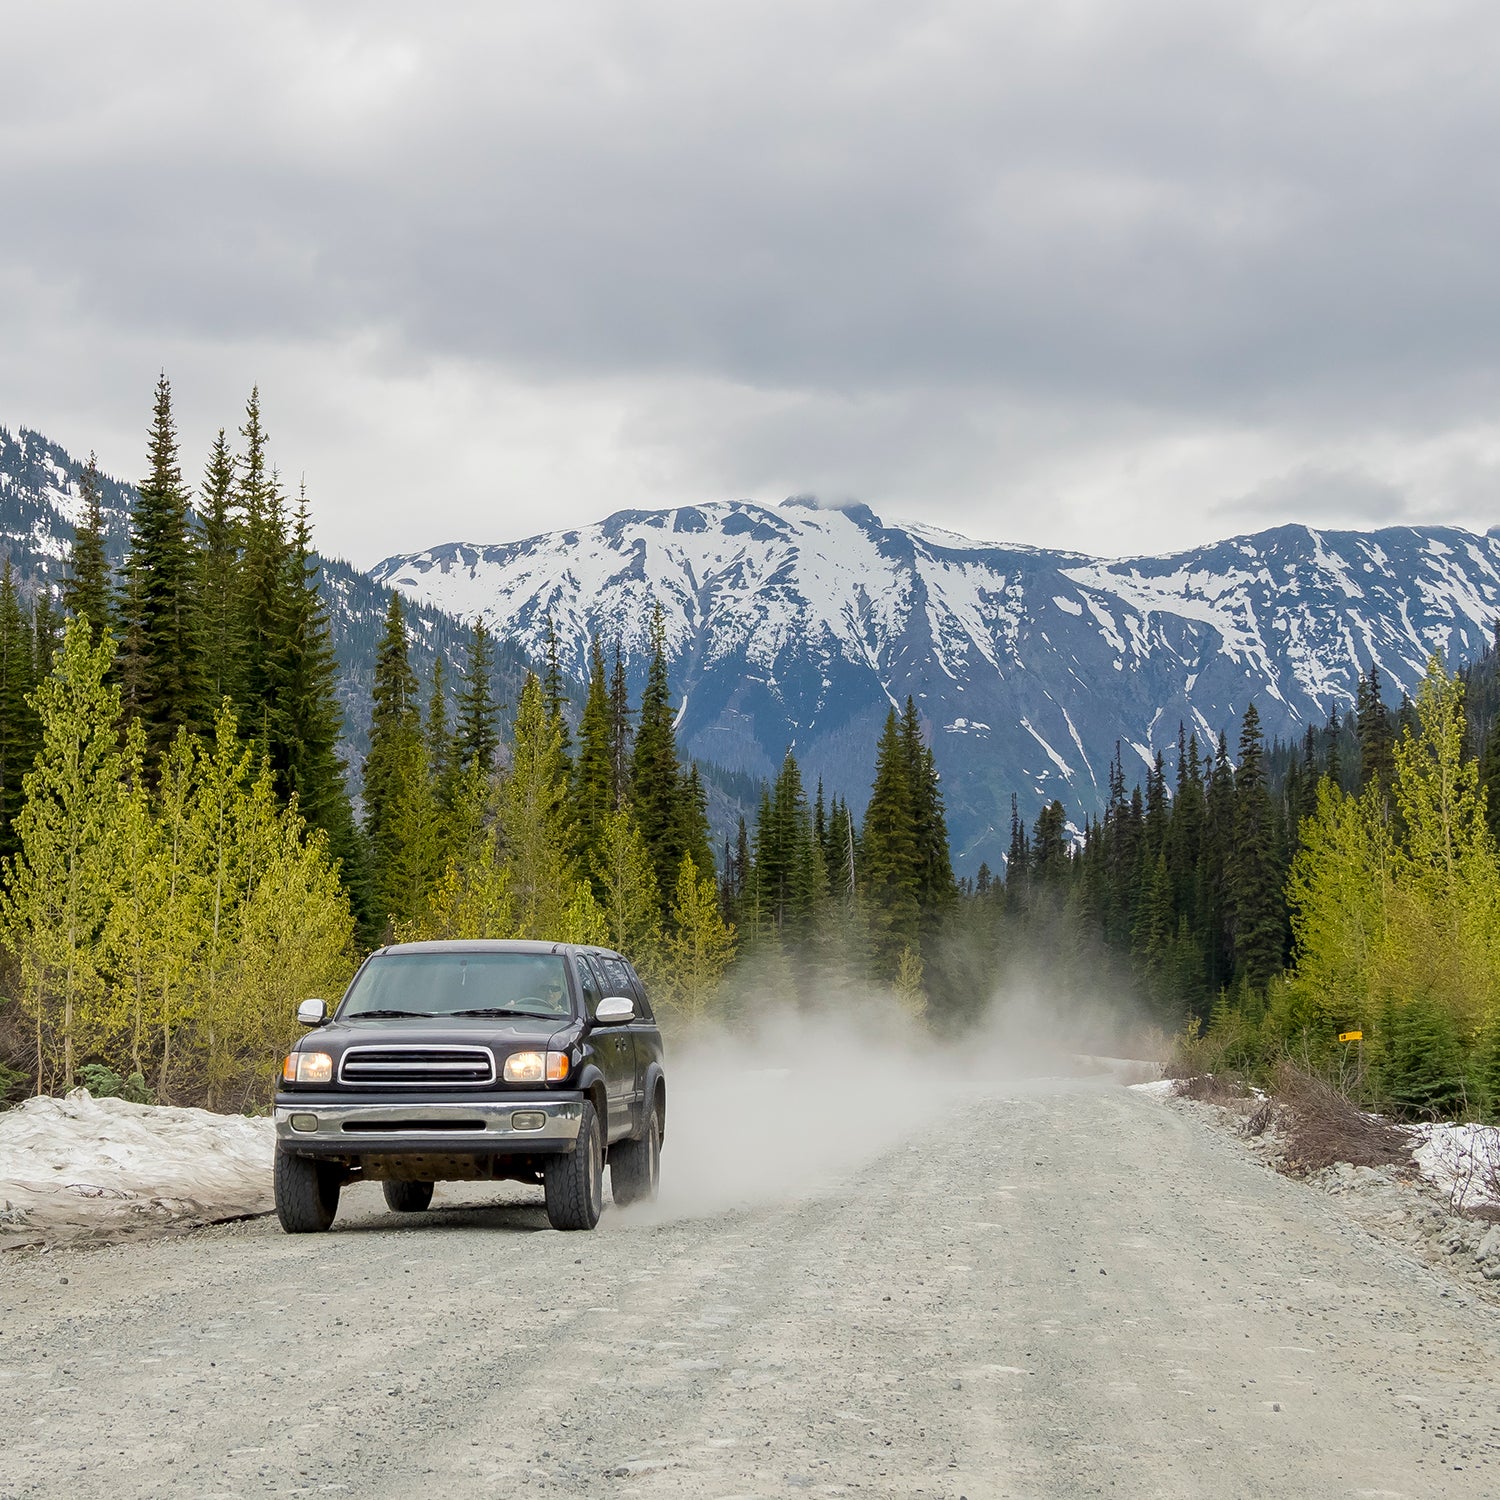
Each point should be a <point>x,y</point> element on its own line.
<point>541,1124</point>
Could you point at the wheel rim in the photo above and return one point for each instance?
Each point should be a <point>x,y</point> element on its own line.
<point>596,1178</point>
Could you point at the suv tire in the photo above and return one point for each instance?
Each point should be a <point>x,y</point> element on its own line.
<point>307,1193</point>
<point>635,1166</point>
<point>575,1182</point>
<point>406,1197</point>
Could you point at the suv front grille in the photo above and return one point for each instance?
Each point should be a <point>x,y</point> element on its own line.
<point>418,1067</point>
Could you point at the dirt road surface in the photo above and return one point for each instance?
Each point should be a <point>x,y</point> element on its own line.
<point>1059,1290</point>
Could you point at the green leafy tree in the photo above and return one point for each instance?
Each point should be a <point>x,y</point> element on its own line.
<point>59,884</point>
<point>626,881</point>
<point>536,831</point>
<point>701,945</point>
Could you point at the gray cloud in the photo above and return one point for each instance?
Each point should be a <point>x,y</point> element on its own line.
<point>1076,273</point>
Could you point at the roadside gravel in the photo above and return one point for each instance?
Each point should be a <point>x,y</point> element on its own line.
<point>1061,1290</point>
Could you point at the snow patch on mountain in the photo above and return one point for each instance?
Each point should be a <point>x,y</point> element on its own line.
<point>800,624</point>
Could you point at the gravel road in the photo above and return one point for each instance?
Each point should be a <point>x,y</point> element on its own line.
<point>1064,1290</point>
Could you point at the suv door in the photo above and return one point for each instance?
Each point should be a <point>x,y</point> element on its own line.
<point>614,1049</point>
<point>645,1038</point>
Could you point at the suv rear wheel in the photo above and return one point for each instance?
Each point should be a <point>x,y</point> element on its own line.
<point>406,1197</point>
<point>307,1193</point>
<point>635,1166</point>
<point>575,1182</point>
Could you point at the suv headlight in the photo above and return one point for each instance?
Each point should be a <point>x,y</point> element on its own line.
<point>536,1067</point>
<point>307,1067</point>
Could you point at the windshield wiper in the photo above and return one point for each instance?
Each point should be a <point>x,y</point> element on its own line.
<point>501,1010</point>
<point>385,1015</point>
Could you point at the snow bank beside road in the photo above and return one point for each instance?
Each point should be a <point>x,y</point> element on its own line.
<point>81,1168</point>
<point>1461,1161</point>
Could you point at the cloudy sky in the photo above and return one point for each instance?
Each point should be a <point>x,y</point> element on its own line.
<point>1112,277</point>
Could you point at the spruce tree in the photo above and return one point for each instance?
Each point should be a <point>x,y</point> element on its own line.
<point>440,756</point>
<point>264,572</point>
<point>593,772</point>
<point>656,782</point>
<point>219,576</point>
<point>620,731</point>
<point>163,568</point>
<point>476,739</point>
<point>86,588</point>
<point>935,889</point>
<point>1254,880</point>
<point>1049,847</point>
<point>307,721</point>
<point>555,692</point>
<point>20,727</point>
<point>888,844</point>
<point>391,762</point>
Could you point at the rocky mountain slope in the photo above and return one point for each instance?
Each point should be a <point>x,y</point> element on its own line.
<point>797,625</point>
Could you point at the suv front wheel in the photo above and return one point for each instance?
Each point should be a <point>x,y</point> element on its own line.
<point>307,1193</point>
<point>575,1182</point>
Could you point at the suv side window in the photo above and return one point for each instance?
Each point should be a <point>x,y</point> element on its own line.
<point>640,991</point>
<point>592,994</point>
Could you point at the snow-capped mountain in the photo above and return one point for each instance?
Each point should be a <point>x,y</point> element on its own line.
<point>795,626</point>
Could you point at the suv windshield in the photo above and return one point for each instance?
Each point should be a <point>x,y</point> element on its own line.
<point>456,984</point>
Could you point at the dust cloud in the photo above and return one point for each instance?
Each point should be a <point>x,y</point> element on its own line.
<point>788,1102</point>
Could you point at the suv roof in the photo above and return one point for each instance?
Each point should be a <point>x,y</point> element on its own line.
<point>495,945</point>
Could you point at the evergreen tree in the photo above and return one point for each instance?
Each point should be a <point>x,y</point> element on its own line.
<point>593,791</point>
<point>656,782</point>
<point>20,727</point>
<point>1373,728</point>
<point>888,844</point>
<point>785,854</point>
<point>1254,879</point>
<point>477,740</point>
<point>162,564</point>
<point>307,721</point>
<point>935,890</point>
<point>86,589</point>
<point>219,576</point>
<point>693,811</point>
<point>264,573</point>
<point>395,761</point>
<point>1049,847</point>
<point>1017,857</point>
<point>555,692</point>
<point>620,732</point>
<point>440,757</point>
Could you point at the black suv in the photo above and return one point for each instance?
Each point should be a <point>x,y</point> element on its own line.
<point>444,1062</point>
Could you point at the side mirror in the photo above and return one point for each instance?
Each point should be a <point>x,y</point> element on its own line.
<point>613,1010</point>
<point>312,1013</point>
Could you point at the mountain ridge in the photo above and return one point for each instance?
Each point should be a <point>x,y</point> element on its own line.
<point>795,626</point>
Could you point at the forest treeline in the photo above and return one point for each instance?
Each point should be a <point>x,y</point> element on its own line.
<point>182,856</point>
<point>1275,900</point>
